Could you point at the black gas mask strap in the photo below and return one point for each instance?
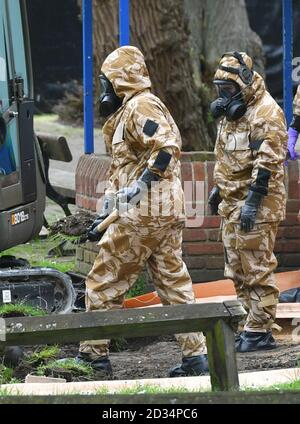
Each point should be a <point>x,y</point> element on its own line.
<point>229,69</point>
<point>239,57</point>
<point>245,73</point>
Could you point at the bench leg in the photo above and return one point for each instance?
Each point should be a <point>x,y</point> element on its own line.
<point>222,357</point>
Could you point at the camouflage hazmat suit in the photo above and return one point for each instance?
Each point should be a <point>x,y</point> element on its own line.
<point>135,136</point>
<point>294,130</point>
<point>297,102</point>
<point>297,115</point>
<point>250,152</point>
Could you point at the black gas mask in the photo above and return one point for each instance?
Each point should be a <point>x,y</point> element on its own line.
<point>230,102</point>
<point>109,101</point>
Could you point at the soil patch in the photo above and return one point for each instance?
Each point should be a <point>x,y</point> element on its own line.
<point>153,358</point>
<point>73,225</point>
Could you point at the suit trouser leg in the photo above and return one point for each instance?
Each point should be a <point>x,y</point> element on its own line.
<point>123,253</point>
<point>174,285</point>
<point>251,265</point>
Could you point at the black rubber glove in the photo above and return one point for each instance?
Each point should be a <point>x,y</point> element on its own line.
<point>214,199</point>
<point>249,210</point>
<point>133,194</point>
<point>92,232</point>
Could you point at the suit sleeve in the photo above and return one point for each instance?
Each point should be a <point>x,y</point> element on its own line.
<point>297,102</point>
<point>296,118</point>
<point>271,138</point>
<point>149,126</point>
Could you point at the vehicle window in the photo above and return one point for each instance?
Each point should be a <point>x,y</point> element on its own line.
<point>9,146</point>
<point>18,47</point>
<point>4,96</point>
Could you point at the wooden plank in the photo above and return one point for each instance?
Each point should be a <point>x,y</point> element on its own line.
<point>254,379</point>
<point>237,312</point>
<point>288,310</point>
<point>284,310</point>
<point>229,398</point>
<point>112,324</point>
<point>222,357</point>
<point>284,280</point>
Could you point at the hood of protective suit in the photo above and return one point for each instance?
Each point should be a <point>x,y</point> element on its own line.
<point>127,71</point>
<point>250,93</point>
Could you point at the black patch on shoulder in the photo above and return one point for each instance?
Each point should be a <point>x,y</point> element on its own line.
<point>255,145</point>
<point>150,128</point>
<point>162,160</point>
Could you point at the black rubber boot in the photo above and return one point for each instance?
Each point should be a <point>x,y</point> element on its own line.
<point>191,366</point>
<point>12,356</point>
<point>249,341</point>
<point>101,364</point>
<point>237,338</point>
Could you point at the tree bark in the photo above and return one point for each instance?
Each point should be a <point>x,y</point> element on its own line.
<point>182,41</point>
<point>227,29</point>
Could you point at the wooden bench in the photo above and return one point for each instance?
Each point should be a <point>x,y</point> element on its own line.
<point>217,320</point>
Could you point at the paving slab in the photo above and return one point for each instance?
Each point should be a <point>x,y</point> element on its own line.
<point>247,380</point>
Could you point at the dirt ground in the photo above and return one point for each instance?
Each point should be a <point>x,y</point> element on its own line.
<point>73,225</point>
<point>153,357</point>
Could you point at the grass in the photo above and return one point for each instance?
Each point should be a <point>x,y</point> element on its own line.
<point>7,376</point>
<point>68,365</point>
<point>59,266</point>
<point>58,238</point>
<point>137,289</point>
<point>36,251</point>
<point>21,309</point>
<point>48,353</point>
<point>155,389</point>
<point>50,123</point>
<point>149,389</point>
<point>293,385</point>
<point>6,392</point>
<point>140,389</point>
<point>119,344</point>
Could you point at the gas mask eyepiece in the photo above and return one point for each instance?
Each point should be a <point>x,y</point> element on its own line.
<point>109,101</point>
<point>230,102</point>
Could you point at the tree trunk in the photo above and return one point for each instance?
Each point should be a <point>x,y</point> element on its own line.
<point>227,29</point>
<point>182,41</point>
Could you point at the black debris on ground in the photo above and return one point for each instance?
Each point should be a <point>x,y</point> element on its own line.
<point>73,225</point>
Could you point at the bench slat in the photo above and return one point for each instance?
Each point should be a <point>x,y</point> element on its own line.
<point>217,320</point>
<point>111,324</point>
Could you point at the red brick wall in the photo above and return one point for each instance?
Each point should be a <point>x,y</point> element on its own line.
<point>202,250</point>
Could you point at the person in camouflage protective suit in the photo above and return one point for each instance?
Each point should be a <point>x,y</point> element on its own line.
<point>145,144</point>
<point>249,191</point>
<point>294,130</point>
